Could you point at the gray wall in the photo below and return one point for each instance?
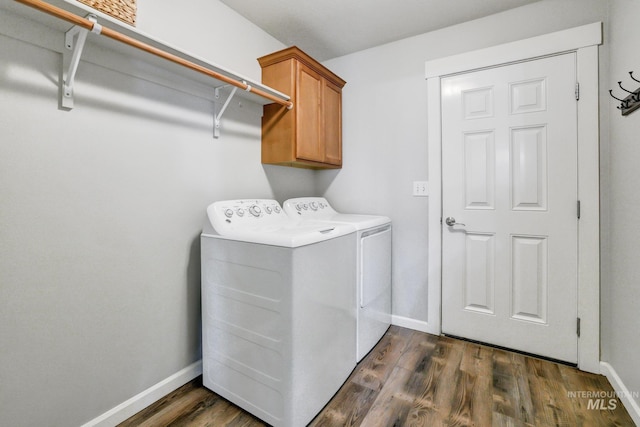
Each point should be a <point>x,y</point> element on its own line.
<point>101,209</point>
<point>385,132</point>
<point>621,283</point>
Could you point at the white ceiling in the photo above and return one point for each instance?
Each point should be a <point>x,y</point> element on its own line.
<point>327,29</point>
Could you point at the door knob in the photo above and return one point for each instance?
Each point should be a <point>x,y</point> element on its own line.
<point>451,221</point>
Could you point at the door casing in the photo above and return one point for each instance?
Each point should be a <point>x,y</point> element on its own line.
<point>583,40</point>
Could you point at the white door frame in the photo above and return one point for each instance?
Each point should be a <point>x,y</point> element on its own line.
<point>583,40</point>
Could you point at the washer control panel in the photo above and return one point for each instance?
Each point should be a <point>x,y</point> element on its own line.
<point>249,213</point>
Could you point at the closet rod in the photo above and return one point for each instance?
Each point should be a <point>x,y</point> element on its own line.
<point>89,25</point>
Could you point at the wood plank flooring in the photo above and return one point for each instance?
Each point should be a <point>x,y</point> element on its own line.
<point>415,379</point>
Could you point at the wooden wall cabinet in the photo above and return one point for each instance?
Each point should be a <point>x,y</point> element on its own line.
<point>310,134</point>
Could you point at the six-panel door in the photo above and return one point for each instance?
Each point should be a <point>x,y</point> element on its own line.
<point>509,156</point>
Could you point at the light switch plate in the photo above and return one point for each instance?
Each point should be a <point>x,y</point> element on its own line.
<point>421,188</point>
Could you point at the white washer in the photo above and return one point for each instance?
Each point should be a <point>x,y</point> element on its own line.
<point>373,281</point>
<point>278,316</point>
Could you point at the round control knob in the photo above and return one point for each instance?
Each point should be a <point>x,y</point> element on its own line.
<point>240,212</point>
<point>277,209</point>
<point>305,206</point>
<point>268,210</point>
<point>255,210</point>
<point>313,206</point>
<point>298,207</point>
<point>228,213</point>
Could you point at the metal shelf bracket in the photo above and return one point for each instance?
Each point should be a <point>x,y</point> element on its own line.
<point>218,115</point>
<point>74,41</point>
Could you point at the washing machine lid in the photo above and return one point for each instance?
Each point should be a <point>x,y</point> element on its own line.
<point>264,222</point>
<point>319,209</point>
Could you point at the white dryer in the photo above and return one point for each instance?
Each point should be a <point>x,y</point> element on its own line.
<point>278,316</point>
<point>373,270</point>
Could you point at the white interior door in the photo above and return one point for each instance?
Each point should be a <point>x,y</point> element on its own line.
<point>509,181</point>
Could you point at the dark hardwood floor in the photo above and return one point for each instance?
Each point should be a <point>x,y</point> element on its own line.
<point>415,379</point>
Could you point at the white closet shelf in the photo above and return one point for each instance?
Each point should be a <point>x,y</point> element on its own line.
<point>70,16</point>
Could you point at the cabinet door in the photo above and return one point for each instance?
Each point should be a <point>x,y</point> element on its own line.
<point>332,112</point>
<point>309,120</point>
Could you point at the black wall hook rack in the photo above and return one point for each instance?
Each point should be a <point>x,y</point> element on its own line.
<point>631,102</point>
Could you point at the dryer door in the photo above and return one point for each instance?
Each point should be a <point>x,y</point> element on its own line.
<point>375,264</point>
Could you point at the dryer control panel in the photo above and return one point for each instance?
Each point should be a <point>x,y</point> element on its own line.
<point>309,208</point>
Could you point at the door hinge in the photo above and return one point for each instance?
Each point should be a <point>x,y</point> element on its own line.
<point>577,91</point>
<point>578,327</point>
<point>578,209</point>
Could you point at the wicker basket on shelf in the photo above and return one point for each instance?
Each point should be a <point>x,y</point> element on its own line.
<point>124,10</point>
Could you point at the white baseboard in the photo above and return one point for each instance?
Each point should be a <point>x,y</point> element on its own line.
<point>623,392</point>
<point>140,401</point>
<point>416,325</point>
